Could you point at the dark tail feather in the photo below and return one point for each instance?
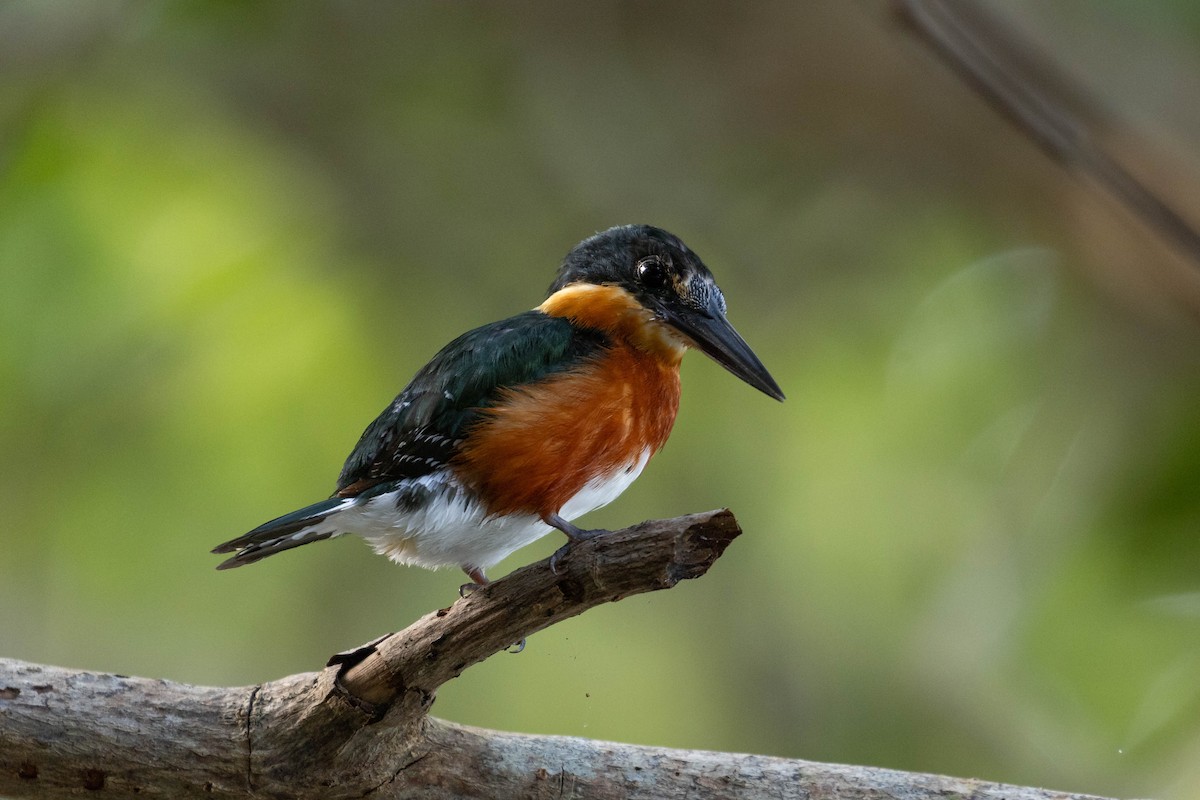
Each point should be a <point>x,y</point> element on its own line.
<point>257,552</point>
<point>281,534</point>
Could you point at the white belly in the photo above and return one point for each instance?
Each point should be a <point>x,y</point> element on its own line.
<point>452,529</point>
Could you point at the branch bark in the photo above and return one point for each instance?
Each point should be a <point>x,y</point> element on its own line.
<point>360,726</point>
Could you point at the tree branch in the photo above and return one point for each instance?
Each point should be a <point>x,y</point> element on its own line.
<point>360,726</point>
<point>1026,86</point>
<point>438,647</point>
<point>1054,111</point>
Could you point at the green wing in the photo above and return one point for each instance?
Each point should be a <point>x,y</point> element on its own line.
<point>421,430</point>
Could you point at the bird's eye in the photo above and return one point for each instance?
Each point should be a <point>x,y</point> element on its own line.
<point>651,273</point>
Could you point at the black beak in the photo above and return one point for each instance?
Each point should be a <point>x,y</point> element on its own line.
<point>713,334</point>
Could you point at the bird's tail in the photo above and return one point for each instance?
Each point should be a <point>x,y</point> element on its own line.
<point>291,530</point>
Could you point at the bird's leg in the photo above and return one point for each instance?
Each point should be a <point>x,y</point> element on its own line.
<point>575,535</point>
<point>573,532</point>
<point>478,580</point>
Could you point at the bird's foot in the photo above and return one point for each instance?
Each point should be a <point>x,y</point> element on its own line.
<point>516,647</point>
<point>478,580</point>
<point>575,535</point>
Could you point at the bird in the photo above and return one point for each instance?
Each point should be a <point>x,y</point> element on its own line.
<point>521,426</point>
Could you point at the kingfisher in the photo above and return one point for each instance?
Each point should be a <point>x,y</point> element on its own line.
<point>519,427</point>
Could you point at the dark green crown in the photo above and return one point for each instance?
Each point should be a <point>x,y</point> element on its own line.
<point>653,265</point>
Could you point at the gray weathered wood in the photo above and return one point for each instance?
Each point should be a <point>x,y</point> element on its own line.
<point>359,727</point>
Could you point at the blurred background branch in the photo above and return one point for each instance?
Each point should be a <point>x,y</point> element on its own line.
<point>1060,115</point>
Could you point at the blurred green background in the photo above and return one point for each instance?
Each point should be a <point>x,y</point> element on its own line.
<point>229,233</point>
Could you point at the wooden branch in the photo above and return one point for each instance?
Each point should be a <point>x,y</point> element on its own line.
<point>350,724</point>
<point>359,727</point>
<point>653,555</point>
<point>560,766</point>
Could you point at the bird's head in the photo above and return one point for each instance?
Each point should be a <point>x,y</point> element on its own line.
<point>655,273</point>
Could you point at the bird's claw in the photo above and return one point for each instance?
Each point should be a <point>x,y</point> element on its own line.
<point>516,647</point>
<point>478,580</point>
<point>558,554</point>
